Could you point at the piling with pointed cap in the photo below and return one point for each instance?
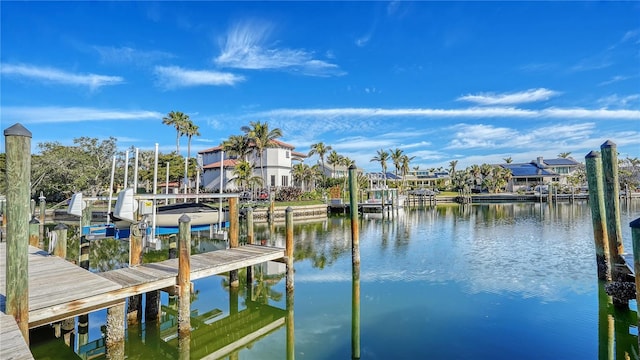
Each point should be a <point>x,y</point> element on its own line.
<point>593,163</point>
<point>18,176</point>
<point>612,202</point>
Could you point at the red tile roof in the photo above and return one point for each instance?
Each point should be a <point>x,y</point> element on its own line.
<point>227,163</point>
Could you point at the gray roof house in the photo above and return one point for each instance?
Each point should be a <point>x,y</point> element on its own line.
<point>526,175</point>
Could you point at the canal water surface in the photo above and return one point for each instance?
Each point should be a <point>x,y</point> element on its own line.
<point>494,281</point>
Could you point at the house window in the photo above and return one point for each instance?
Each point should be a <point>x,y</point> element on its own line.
<point>286,154</point>
<point>273,180</point>
<point>285,180</point>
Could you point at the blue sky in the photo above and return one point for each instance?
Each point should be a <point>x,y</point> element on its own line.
<point>470,81</point>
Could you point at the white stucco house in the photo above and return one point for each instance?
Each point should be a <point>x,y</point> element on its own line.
<point>277,162</point>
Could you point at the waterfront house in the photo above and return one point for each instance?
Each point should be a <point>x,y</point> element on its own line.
<point>525,176</point>
<point>277,162</point>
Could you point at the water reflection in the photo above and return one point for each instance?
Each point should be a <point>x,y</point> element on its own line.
<point>443,282</point>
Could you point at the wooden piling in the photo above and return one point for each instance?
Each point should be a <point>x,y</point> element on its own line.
<point>43,216</point>
<point>135,245</point>
<point>83,320</point>
<point>355,230</point>
<point>114,339</point>
<point>134,306</point>
<point>85,247</point>
<point>612,202</point>
<point>234,235</point>
<point>355,265</point>
<point>173,246</point>
<point>18,175</point>
<point>289,247</point>
<point>250,241</point>
<point>60,248</point>
<point>635,240</point>
<point>593,163</point>
<point>34,232</point>
<point>184,276</point>
<point>250,235</point>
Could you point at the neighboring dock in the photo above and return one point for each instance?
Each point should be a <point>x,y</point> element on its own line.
<point>59,289</point>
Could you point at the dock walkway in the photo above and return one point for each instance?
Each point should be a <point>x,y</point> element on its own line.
<point>59,289</point>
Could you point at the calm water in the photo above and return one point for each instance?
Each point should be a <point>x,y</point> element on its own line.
<point>498,281</point>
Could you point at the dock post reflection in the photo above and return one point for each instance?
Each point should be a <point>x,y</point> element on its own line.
<point>291,355</point>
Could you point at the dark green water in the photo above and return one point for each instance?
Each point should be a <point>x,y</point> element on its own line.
<point>499,281</point>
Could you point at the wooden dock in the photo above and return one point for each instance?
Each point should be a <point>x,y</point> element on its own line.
<point>12,344</point>
<point>59,289</point>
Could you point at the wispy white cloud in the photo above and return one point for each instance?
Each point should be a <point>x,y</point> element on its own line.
<point>54,114</point>
<point>631,35</point>
<point>171,77</point>
<point>483,136</point>
<point>620,101</point>
<point>480,136</point>
<point>528,96</point>
<point>56,76</point>
<point>614,79</point>
<point>129,55</point>
<point>246,47</point>
<point>474,112</point>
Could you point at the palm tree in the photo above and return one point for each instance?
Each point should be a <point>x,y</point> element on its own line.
<point>564,155</point>
<point>303,174</point>
<point>382,158</point>
<point>190,130</point>
<point>396,157</point>
<point>262,138</point>
<point>178,120</point>
<point>321,150</point>
<point>452,166</point>
<point>404,167</point>
<point>237,145</point>
<point>333,160</point>
<point>243,175</point>
<point>508,160</point>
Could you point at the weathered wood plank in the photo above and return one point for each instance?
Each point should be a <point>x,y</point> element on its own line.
<point>12,346</point>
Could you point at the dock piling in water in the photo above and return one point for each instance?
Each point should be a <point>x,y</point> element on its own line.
<point>234,234</point>
<point>134,307</point>
<point>355,264</point>
<point>184,276</point>
<point>612,202</point>
<point>250,241</point>
<point>289,247</point>
<point>593,162</point>
<point>635,240</point>
<point>18,180</point>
